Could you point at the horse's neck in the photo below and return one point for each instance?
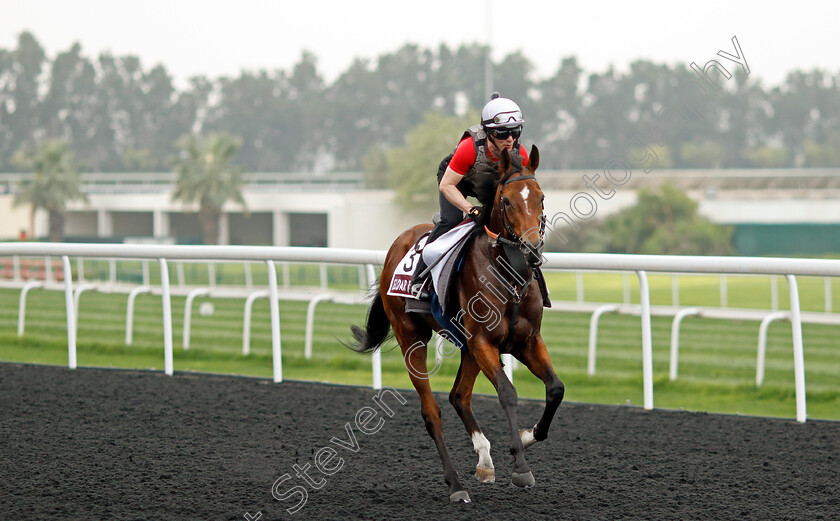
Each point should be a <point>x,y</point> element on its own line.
<point>497,269</point>
<point>489,260</point>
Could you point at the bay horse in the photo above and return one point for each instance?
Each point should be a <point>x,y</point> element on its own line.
<point>508,245</point>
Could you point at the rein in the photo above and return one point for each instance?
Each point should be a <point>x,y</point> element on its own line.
<point>518,265</point>
<point>516,254</point>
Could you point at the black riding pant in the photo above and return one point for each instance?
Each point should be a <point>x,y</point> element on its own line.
<point>450,217</point>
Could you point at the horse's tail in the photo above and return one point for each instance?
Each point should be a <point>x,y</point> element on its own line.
<point>376,329</point>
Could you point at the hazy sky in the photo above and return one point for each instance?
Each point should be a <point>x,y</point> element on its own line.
<point>217,38</point>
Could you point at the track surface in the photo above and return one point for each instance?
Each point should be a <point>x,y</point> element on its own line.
<point>109,444</point>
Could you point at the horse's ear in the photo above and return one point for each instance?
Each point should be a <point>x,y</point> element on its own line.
<point>534,158</point>
<point>504,162</point>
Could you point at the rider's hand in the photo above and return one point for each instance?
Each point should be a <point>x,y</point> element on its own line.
<point>474,213</point>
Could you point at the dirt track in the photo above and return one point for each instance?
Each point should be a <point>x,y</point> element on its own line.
<point>107,444</point>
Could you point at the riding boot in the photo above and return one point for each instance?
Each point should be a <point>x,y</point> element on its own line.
<point>418,281</point>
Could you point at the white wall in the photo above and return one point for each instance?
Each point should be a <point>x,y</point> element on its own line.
<point>12,220</point>
<point>372,219</point>
<point>786,211</point>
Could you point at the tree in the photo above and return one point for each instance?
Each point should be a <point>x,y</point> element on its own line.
<point>413,166</point>
<point>822,154</point>
<point>375,168</point>
<point>806,106</point>
<point>767,157</point>
<point>206,177</point>
<point>75,111</point>
<point>665,222</point>
<point>556,130</point>
<point>20,81</point>
<point>707,154</point>
<point>54,182</point>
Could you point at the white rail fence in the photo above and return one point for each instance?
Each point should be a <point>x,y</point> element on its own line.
<point>165,253</point>
<point>639,264</point>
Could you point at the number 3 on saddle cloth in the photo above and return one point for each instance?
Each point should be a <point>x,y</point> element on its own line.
<point>444,256</point>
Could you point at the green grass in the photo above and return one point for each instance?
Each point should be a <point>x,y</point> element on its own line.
<point>717,357</point>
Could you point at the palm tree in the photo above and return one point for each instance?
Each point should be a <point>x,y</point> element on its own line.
<point>55,181</point>
<point>206,177</point>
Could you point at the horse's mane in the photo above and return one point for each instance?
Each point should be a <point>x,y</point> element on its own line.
<point>484,186</point>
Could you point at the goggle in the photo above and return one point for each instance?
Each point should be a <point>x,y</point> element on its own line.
<point>504,133</point>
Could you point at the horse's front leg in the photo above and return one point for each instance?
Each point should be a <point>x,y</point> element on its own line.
<point>461,399</point>
<point>535,357</point>
<point>487,359</point>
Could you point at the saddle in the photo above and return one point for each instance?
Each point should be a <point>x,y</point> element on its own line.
<point>444,257</point>
<point>441,257</point>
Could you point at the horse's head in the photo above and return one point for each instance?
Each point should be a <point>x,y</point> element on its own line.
<point>518,206</point>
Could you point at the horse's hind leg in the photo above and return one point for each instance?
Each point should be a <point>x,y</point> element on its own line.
<point>535,357</point>
<point>415,360</point>
<point>461,399</point>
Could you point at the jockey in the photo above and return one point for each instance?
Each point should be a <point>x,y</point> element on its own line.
<point>478,151</point>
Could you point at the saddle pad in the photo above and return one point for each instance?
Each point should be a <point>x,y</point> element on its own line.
<point>401,281</point>
<point>447,246</point>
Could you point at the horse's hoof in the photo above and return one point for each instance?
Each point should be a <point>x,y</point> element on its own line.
<point>485,475</point>
<point>527,437</point>
<point>460,497</point>
<point>523,479</point>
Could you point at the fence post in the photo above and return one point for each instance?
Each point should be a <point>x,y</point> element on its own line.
<point>286,276</point>
<point>71,312</point>
<point>762,344</point>
<point>798,354</point>
<point>246,319</point>
<point>675,291</point>
<point>22,306</point>
<point>647,340</point>
<point>249,277</point>
<point>77,295</point>
<point>275,322</point>
<point>675,339</point>
<point>167,317</point>
<point>310,323</point>
<point>593,334</point>
<point>625,284</point>
<point>376,359</point>
<point>774,293</point>
<point>322,274</point>
<point>579,286</point>
<point>827,287</point>
<point>188,313</point>
<point>129,312</point>
<point>112,271</point>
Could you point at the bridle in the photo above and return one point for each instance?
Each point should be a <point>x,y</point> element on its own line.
<point>518,254</point>
<point>515,240</point>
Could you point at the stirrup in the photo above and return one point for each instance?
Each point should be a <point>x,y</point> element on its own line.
<point>418,290</point>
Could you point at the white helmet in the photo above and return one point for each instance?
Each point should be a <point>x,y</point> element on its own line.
<point>501,113</point>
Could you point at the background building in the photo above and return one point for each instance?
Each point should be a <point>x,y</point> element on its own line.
<point>783,211</point>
